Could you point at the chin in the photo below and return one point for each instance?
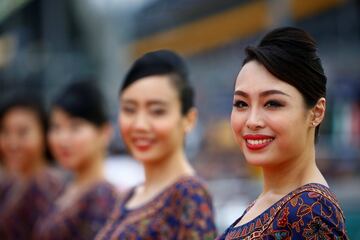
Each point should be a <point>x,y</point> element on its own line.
<point>257,161</point>
<point>145,158</point>
<point>67,165</point>
<point>140,156</point>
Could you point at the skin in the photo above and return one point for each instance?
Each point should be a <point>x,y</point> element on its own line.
<point>275,131</point>
<point>22,143</point>
<point>79,146</point>
<point>154,130</point>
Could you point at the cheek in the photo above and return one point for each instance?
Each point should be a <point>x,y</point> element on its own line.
<point>84,141</point>
<point>237,122</point>
<point>53,141</point>
<point>124,126</point>
<point>34,142</point>
<point>166,128</point>
<point>85,145</point>
<point>288,129</point>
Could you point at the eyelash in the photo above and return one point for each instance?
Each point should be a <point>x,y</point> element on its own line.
<point>158,112</point>
<point>154,112</point>
<point>128,110</point>
<point>240,104</point>
<point>269,104</point>
<point>273,104</point>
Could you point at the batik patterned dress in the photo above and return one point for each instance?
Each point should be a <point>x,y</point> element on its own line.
<point>182,211</point>
<point>83,219</point>
<point>22,203</point>
<point>310,212</point>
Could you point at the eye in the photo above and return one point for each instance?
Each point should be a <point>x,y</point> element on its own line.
<point>240,104</point>
<point>158,111</point>
<point>76,124</point>
<point>273,104</point>
<point>128,109</point>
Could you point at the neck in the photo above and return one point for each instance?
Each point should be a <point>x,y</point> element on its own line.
<point>166,171</point>
<point>90,172</point>
<point>33,170</point>
<point>283,178</point>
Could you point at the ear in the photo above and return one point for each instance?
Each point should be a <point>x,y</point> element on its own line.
<point>318,112</point>
<point>190,119</point>
<point>106,133</point>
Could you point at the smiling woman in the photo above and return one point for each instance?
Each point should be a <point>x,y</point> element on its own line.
<point>157,111</point>
<point>30,185</point>
<point>78,137</point>
<point>279,103</point>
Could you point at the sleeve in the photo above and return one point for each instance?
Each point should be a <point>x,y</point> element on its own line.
<point>311,216</point>
<point>99,208</point>
<point>196,213</point>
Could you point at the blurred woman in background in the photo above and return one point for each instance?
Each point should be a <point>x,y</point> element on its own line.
<point>28,185</point>
<point>79,135</point>
<point>156,113</point>
<point>279,103</point>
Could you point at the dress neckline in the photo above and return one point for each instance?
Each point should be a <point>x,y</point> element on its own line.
<point>267,214</point>
<point>156,199</point>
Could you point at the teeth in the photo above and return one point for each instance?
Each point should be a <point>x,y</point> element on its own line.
<point>142,142</point>
<point>256,142</point>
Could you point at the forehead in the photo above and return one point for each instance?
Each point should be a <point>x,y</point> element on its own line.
<point>151,88</point>
<point>60,114</point>
<point>19,113</point>
<point>20,117</point>
<point>254,77</point>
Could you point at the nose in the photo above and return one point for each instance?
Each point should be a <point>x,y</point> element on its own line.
<point>141,122</point>
<point>255,120</point>
<point>61,137</point>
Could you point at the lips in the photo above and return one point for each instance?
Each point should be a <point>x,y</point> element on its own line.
<point>64,154</point>
<point>257,141</point>
<point>142,144</point>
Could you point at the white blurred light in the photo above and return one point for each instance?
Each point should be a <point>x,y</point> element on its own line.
<point>123,4</point>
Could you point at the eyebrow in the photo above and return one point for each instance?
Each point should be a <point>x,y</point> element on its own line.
<point>262,94</point>
<point>149,103</point>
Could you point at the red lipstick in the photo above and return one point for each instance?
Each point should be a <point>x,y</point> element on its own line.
<point>142,144</point>
<point>257,141</point>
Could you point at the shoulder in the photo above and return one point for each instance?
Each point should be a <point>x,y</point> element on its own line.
<point>191,186</point>
<point>102,190</point>
<point>191,198</point>
<point>312,207</point>
<point>50,181</point>
<point>98,202</point>
<point>315,199</point>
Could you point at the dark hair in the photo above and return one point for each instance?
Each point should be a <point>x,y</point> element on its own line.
<point>83,99</point>
<point>290,54</point>
<point>163,62</point>
<point>31,101</point>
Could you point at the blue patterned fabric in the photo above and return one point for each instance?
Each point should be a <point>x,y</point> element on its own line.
<point>182,211</point>
<point>82,220</point>
<point>23,203</point>
<point>310,212</point>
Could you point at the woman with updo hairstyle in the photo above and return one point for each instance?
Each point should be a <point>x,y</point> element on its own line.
<point>28,184</point>
<point>79,136</point>
<point>157,111</point>
<point>279,104</point>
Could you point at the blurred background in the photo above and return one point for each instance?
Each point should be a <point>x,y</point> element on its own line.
<point>44,44</point>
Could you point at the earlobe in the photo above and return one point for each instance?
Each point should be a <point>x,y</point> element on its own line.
<point>107,133</point>
<point>190,119</point>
